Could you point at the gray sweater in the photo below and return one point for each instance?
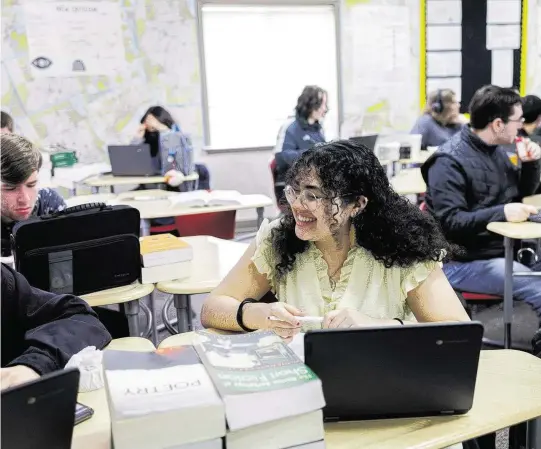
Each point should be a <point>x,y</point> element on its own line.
<point>434,133</point>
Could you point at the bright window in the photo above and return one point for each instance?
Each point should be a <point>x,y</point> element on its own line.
<point>257,61</point>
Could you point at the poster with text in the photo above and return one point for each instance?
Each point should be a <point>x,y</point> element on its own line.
<point>74,38</point>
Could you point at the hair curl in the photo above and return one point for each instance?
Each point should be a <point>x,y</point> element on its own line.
<point>394,231</point>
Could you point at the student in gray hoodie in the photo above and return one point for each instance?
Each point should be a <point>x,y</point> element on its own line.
<point>441,119</point>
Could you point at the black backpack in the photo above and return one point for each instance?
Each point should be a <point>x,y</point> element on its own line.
<point>79,250</point>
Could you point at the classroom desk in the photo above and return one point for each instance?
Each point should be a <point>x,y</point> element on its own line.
<point>408,182</point>
<point>150,209</point>
<point>510,232</point>
<point>96,432</point>
<point>95,182</point>
<point>514,375</point>
<point>534,200</point>
<point>128,296</point>
<point>212,259</point>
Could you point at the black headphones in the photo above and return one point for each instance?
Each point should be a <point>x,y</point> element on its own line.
<point>437,104</point>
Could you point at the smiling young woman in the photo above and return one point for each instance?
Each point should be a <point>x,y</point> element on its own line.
<point>348,249</point>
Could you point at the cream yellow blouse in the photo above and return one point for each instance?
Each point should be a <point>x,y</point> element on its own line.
<point>365,284</point>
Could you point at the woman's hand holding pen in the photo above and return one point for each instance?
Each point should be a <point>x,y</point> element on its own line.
<point>278,317</point>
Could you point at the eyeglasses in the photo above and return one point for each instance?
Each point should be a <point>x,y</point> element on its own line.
<point>308,199</point>
<point>517,120</point>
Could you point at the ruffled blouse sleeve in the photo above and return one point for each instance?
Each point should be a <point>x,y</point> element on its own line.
<point>412,277</point>
<point>263,257</point>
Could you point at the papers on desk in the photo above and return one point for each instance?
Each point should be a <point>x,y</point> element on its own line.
<point>202,198</point>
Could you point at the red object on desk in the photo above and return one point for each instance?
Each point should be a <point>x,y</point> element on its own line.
<point>215,224</point>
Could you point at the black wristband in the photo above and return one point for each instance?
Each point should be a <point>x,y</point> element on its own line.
<point>239,314</point>
<point>399,320</point>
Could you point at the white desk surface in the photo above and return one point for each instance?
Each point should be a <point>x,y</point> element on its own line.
<point>118,295</point>
<point>213,259</point>
<point>110,180</point>
<point>508,391</point>
<point>519,231</point>
<point>408,182</point>
<point>534,200</point>
<point>161,207</point>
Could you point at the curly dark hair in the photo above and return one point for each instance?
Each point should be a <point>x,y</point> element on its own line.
<point>309,101</point>
<point>393,230</point>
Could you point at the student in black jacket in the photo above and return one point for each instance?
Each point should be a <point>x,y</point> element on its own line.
<point>472,180</point>
<point>41,330</point>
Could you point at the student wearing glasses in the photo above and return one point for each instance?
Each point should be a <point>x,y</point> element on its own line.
<point>472,181</point>
<point>348,249</point>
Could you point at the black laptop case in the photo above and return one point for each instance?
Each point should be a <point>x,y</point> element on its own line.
<point>79,250</point>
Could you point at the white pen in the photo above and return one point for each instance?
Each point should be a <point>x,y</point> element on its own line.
<point>302,319</point>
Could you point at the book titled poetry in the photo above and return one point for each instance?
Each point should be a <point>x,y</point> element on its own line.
<point>258,377</point>
<point>161,399</point>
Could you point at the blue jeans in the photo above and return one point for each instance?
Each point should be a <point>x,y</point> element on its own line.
<point>487,276</point>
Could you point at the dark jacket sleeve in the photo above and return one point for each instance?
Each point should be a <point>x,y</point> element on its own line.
<point>56,326</point>
<point>529,178</point>
<point>447,191</point>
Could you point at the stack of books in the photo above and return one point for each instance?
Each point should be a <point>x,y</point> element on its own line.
<point>226,391</point>
<point>164,257</point>
<point>272,399</point>
<point>162,399</point>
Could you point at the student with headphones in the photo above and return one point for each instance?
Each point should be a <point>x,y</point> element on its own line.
<point>441,119</point>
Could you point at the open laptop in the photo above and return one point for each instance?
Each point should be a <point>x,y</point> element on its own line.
<point>131,160</point>
<point>398,371</point>
<point>41,413</point>
<point>368,141</point>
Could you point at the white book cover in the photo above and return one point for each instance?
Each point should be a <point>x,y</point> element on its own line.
<point>161,399</point>
<point>169,272</point>
<point>202,198</point>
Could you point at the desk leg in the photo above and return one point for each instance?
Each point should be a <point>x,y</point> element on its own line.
<point>154,328</point>
<point>260,211</point>
<point>112,189</point>
<point>73,191</point>
<point>508,292</point>
<point>184,313</point>
<point>94,189</point>
<point>145,227</point>
<point>131,309</point>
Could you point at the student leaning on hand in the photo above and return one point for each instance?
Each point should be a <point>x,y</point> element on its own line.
<point>348,249</point>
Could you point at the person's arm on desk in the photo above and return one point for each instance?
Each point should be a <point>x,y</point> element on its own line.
<point>56,327</point>
<point>244,281</point>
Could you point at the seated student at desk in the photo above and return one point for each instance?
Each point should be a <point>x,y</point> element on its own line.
<point>21,198</point>
<point>473,181</point>
<point>41,331</point>
<point>441,119</point>
<point>303,131</point>
<point>171,150</point>
<point>348,249</point>
<point>531,111</point>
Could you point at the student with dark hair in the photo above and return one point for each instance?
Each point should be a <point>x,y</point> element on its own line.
<point>348,249</point>
<point>472,181</point>
<point>441,119</point>
<point>6,123</point>
<point>41,331</point>
<point>531,108</point>
<point>302,131</point>
<point>171,150</point>
<point>21,198</point>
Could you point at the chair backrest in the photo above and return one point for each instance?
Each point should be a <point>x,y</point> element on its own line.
<point>215,224</point>
<point>278,187</point>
